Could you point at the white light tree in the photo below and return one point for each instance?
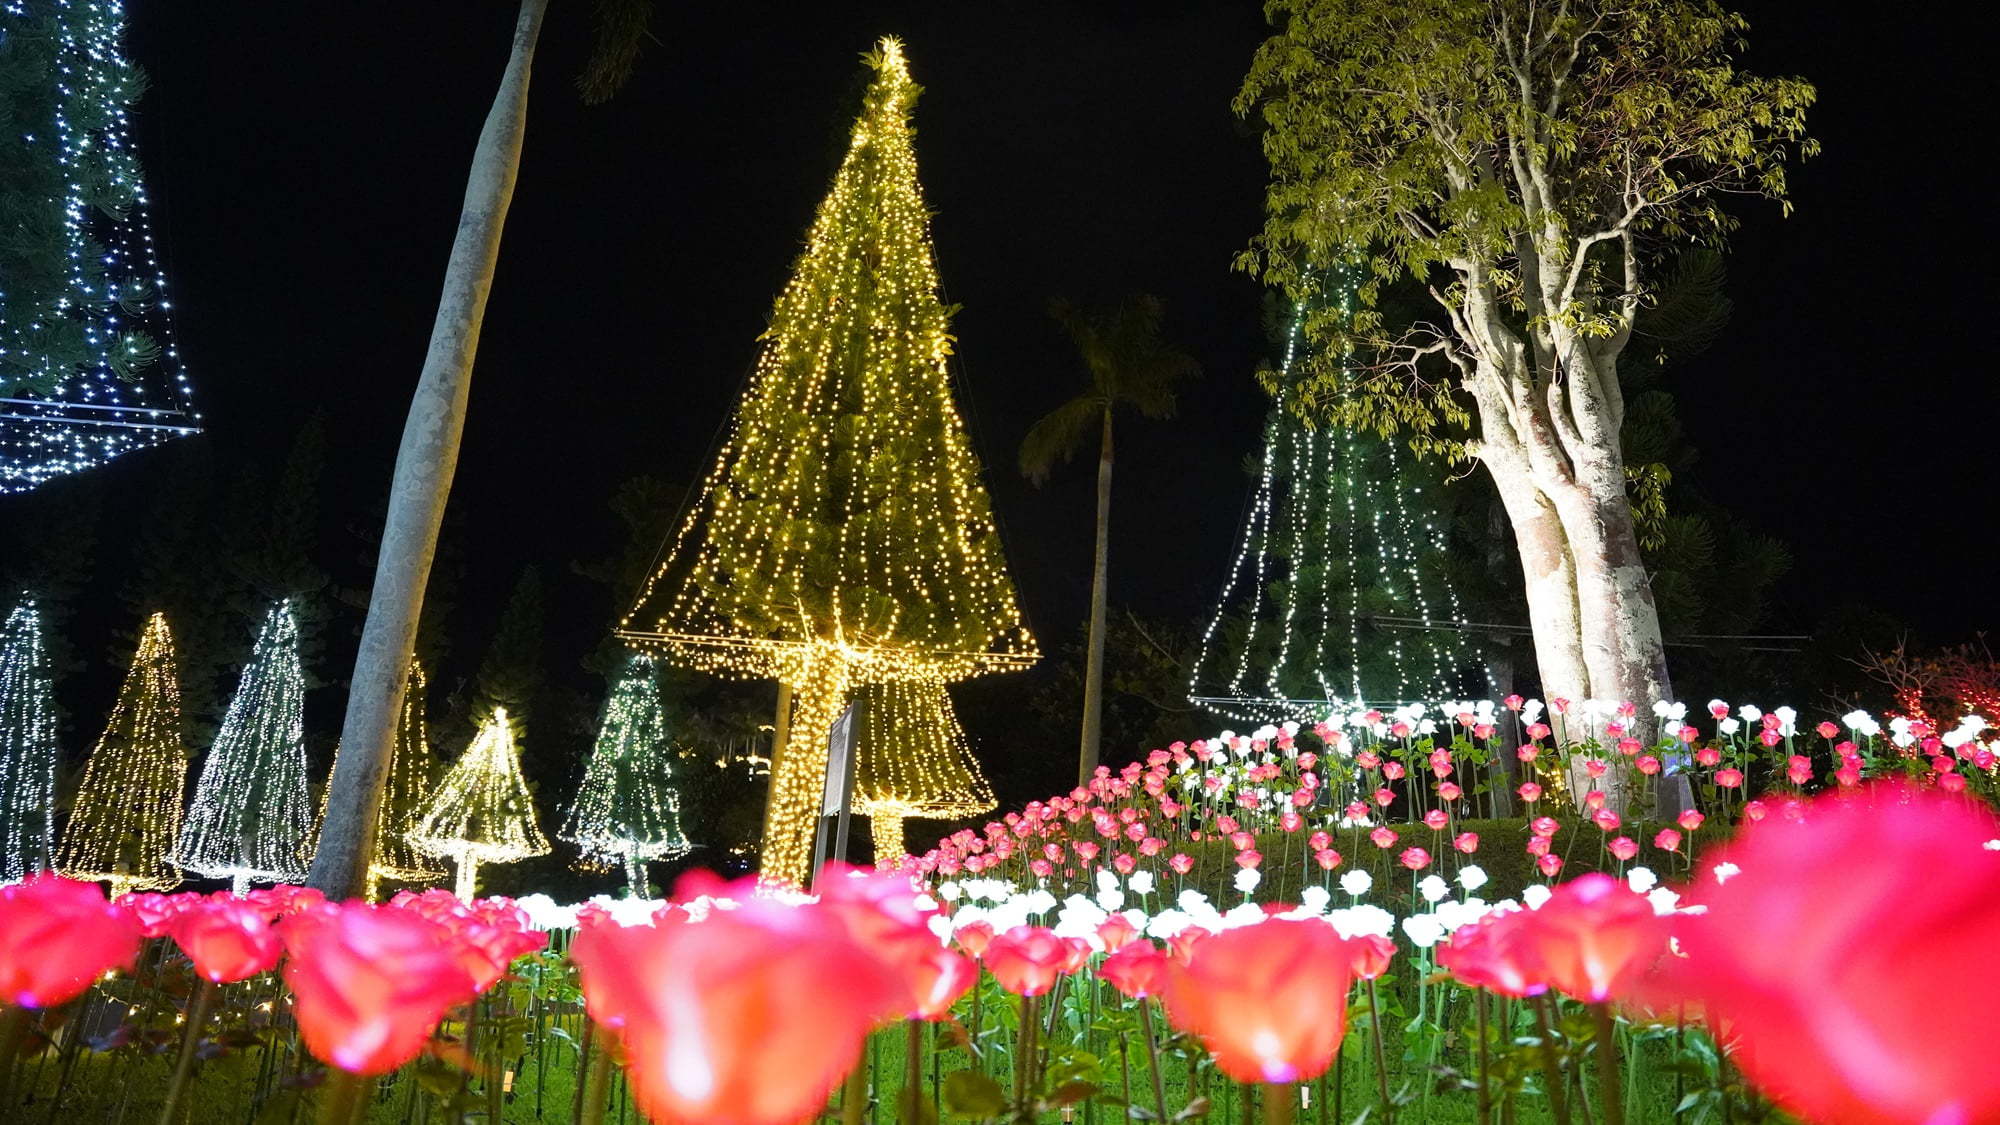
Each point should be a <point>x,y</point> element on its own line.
<point>628,812</point>
<point>252,815</point>
<point>28,748</point>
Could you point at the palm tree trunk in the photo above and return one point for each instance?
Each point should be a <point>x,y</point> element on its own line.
<point>1093,672</point>
<point>424,466</point>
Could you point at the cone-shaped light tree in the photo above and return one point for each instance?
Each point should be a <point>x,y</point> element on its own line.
<point>913,760</point>
<point>1340,531</point>
<point>252,817</point>
<point>843,536</point>
<point>127,811</point>
<point>413,771</point>
<point>481,812</point>
<point>27,747</point>
<point>628,812</point>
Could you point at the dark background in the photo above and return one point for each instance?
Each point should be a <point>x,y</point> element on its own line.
<point>307,161</point>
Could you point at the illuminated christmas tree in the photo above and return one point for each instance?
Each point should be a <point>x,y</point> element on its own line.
<point>87,361</point>
<point>628,812</point>
<point>252,815</point>
<point>27,748</point>
<point>843,536</point>
<point>413,771</point>
<point>1336,594</point>
<point>127,812</point>
<point>481,812</point>
<point>912,760</point>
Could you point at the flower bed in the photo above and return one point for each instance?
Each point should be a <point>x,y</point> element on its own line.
<point>1217,987</point>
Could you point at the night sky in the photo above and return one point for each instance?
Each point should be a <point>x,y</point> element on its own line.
<point>307,163</point>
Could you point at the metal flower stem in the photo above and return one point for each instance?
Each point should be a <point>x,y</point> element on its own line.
<point>1153,1058</point>
<point>913,1072</point>
<point>1381,1057</point>
<point>1485,1085</point>
<point>1278,1103</point>
<point>1552,1078</point>
<point>197,1015</point>
<point>1024,1050</point>
<point>1608,1089</point>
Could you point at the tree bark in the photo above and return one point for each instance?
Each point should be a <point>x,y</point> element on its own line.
<point>798,780</point>
<point>425,463</point>
<point>1100,579</point>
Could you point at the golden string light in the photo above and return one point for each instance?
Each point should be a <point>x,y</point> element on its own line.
<point>913,760</point>
<point>127,811</point>
<point>481,812</point>
<point>843,536</point>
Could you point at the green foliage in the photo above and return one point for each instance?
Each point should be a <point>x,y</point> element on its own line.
<point>63,91</point>
<point>1542,157</point>
<point>511,674</point>
<point>1130,364</point>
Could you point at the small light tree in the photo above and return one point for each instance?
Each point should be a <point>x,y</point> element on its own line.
<point>27,748</point>
<point>252,816</point>
<point>1529,164</point>
<point>481,812</point>
<point>628,812</point>
<point>128,807</point>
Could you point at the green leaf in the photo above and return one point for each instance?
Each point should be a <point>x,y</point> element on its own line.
<point>973,1094</point>
<point>1069,1093</point>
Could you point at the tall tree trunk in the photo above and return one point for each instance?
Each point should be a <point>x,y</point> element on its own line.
<point>798,779</point>
<point>424,466</point>
<point>1100,579</point>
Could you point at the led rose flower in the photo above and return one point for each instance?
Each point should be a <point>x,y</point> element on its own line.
<point>937,978</point>
<point>56,936</point>
<point>1530,792</point>
<point>1624,847</point>
<point>1269,1000</point>
<point>1327,858</point>
<point>1383,837</point>
<point>1137,970</point>
<point>1026,960</point>
<point>1437,820</point>
<point>1730,778</point>
<point>1690,820</point>
<point>1492,955</point>
<point>1466,842</point>
<point>228,939</point>
<point>973,937</point>
<point>155,913</point>
<point>1823,945</point>
<point>1593,937</point>
<point>709,1012</point>
<point>1668,840</point>
<point>370,983</point>
<point>1116,932</point>
<point>1416,859</point>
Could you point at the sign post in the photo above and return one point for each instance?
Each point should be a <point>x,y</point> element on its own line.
<point>837,798</point>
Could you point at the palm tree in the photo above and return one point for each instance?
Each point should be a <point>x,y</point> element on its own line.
<point>428,455</point>
<point>1129,365</point>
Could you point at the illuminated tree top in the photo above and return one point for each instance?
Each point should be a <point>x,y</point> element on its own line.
<point>482,810</point>
<point>846,508</point>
